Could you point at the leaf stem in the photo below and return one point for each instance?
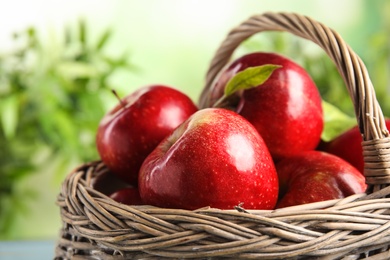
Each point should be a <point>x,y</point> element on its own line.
<point>220,101</point>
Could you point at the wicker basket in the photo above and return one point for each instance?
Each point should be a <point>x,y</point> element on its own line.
<point>96,227</point>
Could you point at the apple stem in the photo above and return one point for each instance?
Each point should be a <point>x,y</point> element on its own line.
<point>117,96</point>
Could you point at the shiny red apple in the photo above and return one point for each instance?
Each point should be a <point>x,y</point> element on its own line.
<point>216,158</point>
<point>286,109</point>
<point>348,146</point>
<point>128,133</point>
<point>314,176</point>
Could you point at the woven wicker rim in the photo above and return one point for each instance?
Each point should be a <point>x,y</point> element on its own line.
<point>94,226</point>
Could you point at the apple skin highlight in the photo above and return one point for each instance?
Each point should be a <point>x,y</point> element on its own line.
<point>202,164</point>
<point>314,176</point>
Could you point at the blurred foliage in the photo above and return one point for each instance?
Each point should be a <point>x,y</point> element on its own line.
<point>376,55</point>
<point>53,93</point>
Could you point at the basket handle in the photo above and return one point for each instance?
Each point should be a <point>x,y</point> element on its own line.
<point>369,115</point>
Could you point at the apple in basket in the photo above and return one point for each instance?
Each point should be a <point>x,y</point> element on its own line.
<point>215,158</point>
<point>128,195</point>
<point>348,146</point>
<point>286,109</point>
<point>133,128</point>
<point>107,183</point>
<point>313,176</point>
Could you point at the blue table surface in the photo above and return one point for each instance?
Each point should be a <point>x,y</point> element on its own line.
<point>32,250</point>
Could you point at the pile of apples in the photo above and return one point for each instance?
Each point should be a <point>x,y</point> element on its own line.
<point>252,141</point>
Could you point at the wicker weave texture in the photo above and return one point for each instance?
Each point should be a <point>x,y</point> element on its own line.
<point>96,227</point>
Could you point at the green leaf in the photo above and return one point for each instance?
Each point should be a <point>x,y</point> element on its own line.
<point>336,122</point>
<point>249,78</point>
<point>67,36</point>
<point>75,69</point>
<point>103,39</point>
<point>9,115</point>
<point>83,32</point>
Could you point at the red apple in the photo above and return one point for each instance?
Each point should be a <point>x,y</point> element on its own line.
<point>128,196</point>
<point>286,109</point>
<point>128,133</point>
<point>216,158</point>
<point>348,146</point>
<point>314,176</point>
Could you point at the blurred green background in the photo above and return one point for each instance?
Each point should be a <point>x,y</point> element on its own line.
<point>60,59</point>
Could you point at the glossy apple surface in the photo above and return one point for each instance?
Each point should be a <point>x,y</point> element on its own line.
<point>128,133</point>
<point>286,109</point>
<point>348,146</point>
<point>216,158</point>
<point>128,196</point>
<point>314,176</point>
